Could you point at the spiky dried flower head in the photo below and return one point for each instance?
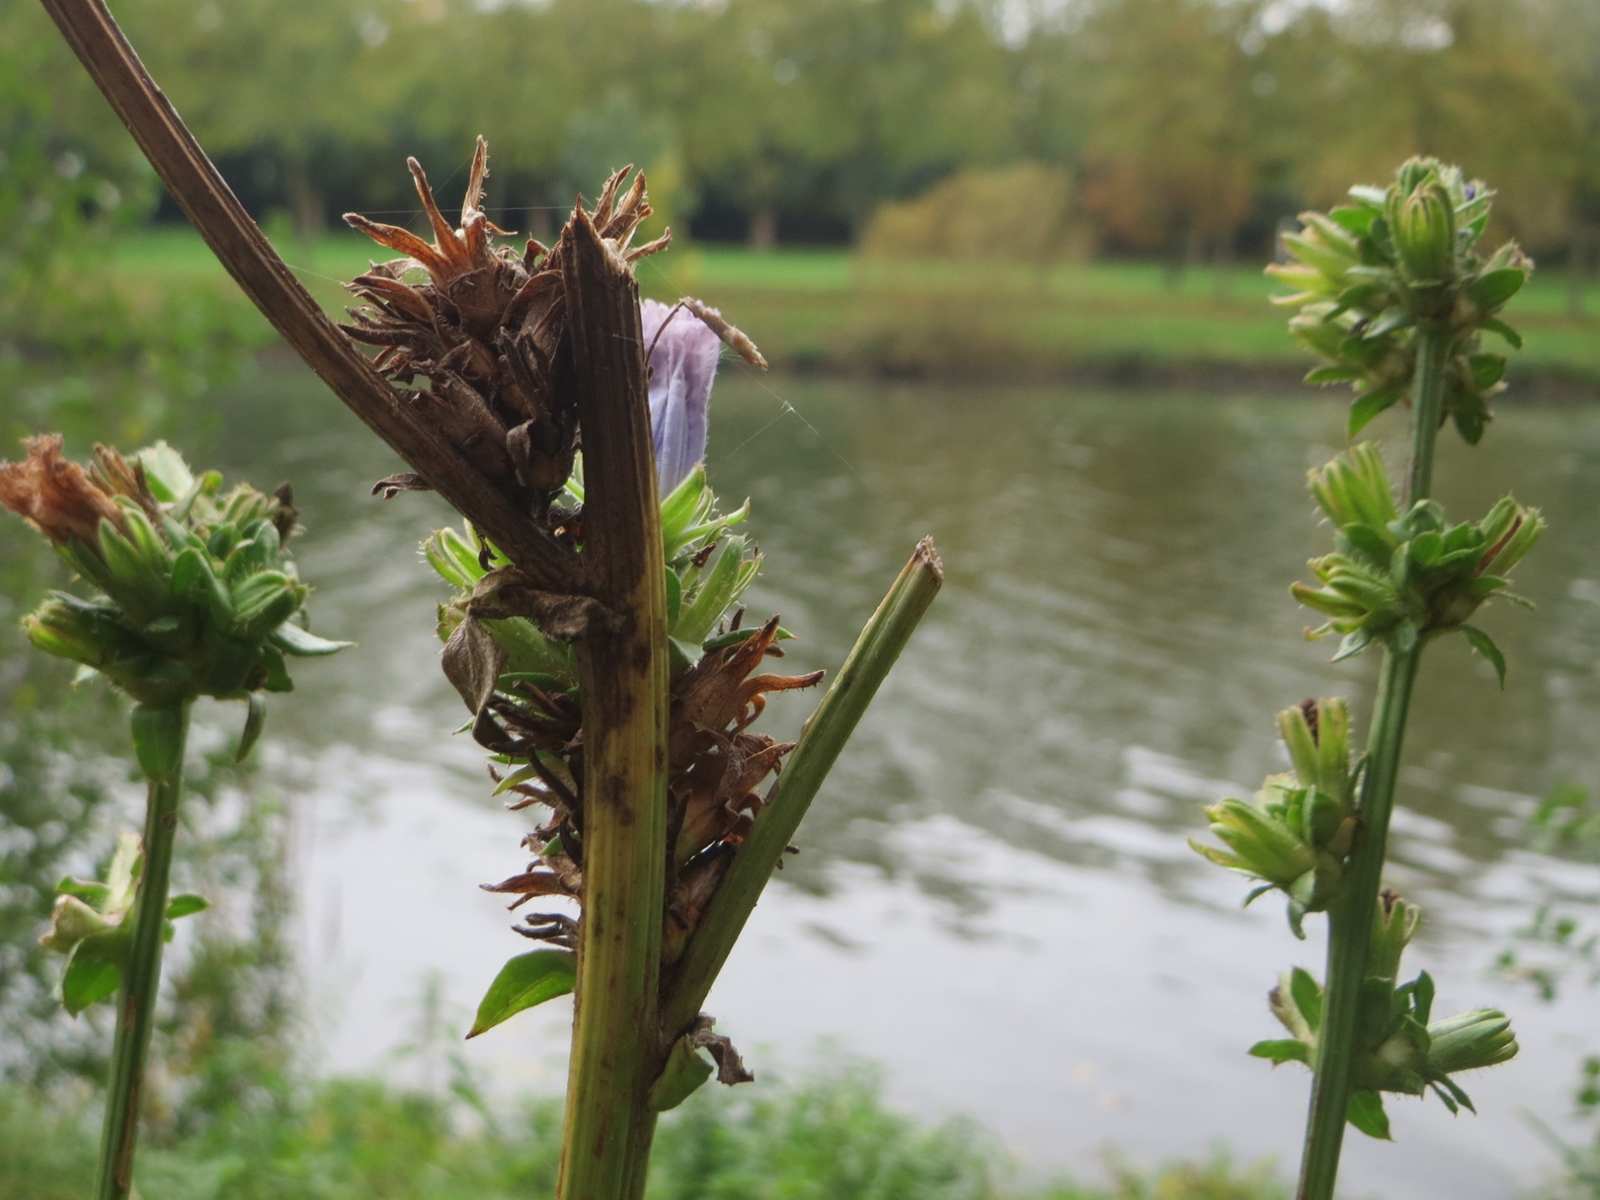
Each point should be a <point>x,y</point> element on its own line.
<point>55,495</point>
<point>485,328</point>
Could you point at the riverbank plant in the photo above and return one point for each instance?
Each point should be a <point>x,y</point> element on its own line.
<point>194,595</point>
<point>596,640</point>
<point>1396,298</point>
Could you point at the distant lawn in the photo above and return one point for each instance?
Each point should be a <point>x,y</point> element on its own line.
<point>827,309</point>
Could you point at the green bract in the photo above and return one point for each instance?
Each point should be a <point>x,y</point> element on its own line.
<point>1297,833</point>
<point>1365,276</point>
<point>1396,579</point>
<point>1398,1047</point>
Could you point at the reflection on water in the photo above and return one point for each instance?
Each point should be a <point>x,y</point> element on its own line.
<point>994,895</point>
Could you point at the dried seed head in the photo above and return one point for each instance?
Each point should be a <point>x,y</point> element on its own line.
<point>56,496</point>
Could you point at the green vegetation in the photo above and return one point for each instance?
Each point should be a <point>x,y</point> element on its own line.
<point>821,308</point>
<point>824,1136</point>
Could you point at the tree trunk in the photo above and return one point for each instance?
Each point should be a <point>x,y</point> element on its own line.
<point>1222,266</point>
<point>306,205</point>
<point>1577,266</point>
<point>764,229</point>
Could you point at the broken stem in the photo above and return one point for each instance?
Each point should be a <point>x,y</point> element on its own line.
<point>623,679</point>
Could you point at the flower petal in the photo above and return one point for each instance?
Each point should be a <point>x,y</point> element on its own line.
<point>683,364</point>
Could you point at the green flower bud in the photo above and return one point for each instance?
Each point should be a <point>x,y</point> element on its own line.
<point>1508,543</point>
<point>1262,844</point>
<point>1393,924</point>
<point>1424,230</point>
<point>1354,488</point>
<point>1478,1038</point>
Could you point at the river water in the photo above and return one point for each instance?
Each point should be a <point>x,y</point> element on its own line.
<point>994,897</point>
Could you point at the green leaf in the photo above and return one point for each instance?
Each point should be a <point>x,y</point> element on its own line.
<point>1366,1114</point>
<point>685,1071</point>
<point>1484,645</point>
<point>1307,994</point>
<point>94,972</point>
<point>1282,1050</point>
<point>1487,370</point>
<point>255,721</point>
<point>1369,404</point>
<point>1392,320</point>
<point>1333,374</point>
<point>1512,337</point>
<point>301,643</point>
<point>90,892</point>
<point>525,981</point>
<point>1496,287</point>
<point>186,904</point>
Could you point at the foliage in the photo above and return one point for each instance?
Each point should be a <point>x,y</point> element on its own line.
<point>1188,125</point>
<point>1021,214</point>
<point>827,1134</point>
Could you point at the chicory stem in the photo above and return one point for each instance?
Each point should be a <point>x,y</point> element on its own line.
<point>159,736</point>
<point>1351,916</point>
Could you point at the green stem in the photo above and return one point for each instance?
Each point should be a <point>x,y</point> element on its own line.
<point>1427,404</point>
<point>825,735</point>
<point>159,734</point>
<point>1351,917</point>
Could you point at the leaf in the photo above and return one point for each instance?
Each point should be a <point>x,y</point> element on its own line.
<point>1307,993</point>
<point>186,905</point>
<point>94,972</point>
<point>1366,1114</point>
<point>1392,320</point>
<point>255,720</point>
<point>1512,337</point>
<point>1353,644</point>
<point>1496,287</point>
<point>302,643</point>
<point>1422,991</point>
<point>1484,645</point>
<point>1369,404</point>
<point>685,1071</point>
<point>525,981</point>
<point>1487,370</point>
<point>1333,374</point>
<point>92,893</point>
<point>1282,1050</point>
<point>1450,1092</point>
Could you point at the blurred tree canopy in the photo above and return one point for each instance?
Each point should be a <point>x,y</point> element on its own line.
<point>1186,126</point>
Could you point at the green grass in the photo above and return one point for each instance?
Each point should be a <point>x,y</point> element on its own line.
<point>828,1137</point>
<point>826,308</point>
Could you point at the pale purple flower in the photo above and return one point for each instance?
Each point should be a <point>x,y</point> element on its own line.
<point>683,363</point>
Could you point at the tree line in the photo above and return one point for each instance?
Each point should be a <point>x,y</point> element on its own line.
<point>1186,125</point>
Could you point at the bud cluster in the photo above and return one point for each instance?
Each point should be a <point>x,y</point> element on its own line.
<point>1297,833</point>
<point>1366,274</point>
<point>1399,1048</point>
<point>1395,579</point>
<point>199,596</point>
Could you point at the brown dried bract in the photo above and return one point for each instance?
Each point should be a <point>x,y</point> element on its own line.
<point>716,768</point>
<point>55,495</point>
<point>487,331</point>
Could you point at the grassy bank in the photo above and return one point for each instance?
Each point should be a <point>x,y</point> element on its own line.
<point>825,310</point>
<point>828,1138</point>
